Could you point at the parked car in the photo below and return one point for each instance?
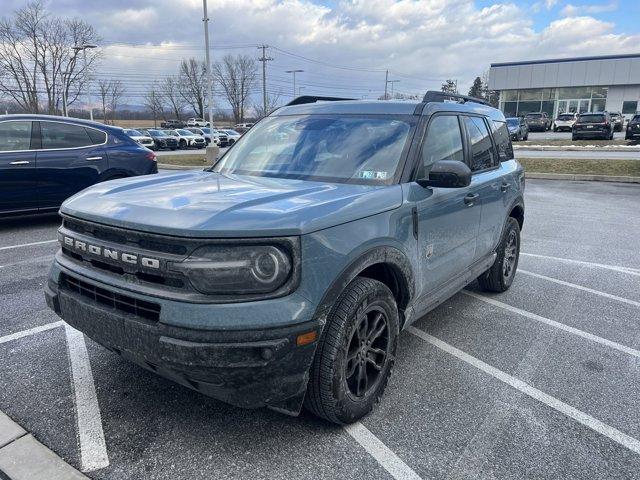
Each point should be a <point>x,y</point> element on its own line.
<point>593,125</point>
<point>539,121</point>
<point>197,122</point>
<point>161,140</point>
<point>187,139</point>
<point>633,129</point>
<point>45,159</point>
<point>284,274</point>
<point>618,121</point>
<point>201,131</point>
<point>173,124</point>
<point>223,138</point>
<point>518,129</point>
<point>564,121</point>
<point>142,138</point>
<point>232,135</point>
<point>244,125</point>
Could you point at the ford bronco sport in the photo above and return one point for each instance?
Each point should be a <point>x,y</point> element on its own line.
<point>283,275</point>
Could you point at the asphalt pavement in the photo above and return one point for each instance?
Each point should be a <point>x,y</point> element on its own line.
<point>541,382</point>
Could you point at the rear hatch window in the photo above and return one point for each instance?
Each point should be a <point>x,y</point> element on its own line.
<point>591,119</point>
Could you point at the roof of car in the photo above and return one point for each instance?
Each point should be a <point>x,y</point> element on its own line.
<point>79,121</point>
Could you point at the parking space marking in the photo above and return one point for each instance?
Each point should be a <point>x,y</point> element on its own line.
<point>31,331</point>
<point>553,323</point>
<point>580,287</point>
<point>29,260</point>
<point>383,455</point>
<point>93,449</point>
<point>11,247</point>
<point>615,268</point>
<point>585,419</point>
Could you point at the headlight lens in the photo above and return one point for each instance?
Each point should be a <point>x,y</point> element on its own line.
<point>237,269</point>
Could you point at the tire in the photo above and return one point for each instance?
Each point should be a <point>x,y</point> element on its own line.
<point>183,144</point>
<point>573,138</point>
<point>173,149</point>
<point>555,129</point>
<point>526,137</point>
<point>333,394</point>
<point>501,274</point>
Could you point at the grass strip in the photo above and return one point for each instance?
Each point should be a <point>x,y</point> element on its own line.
<point>617,167</point>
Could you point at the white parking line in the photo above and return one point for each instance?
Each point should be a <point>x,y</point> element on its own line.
<point>31,331</point>
<point>93,449</point>
<point>11,247</point>
<point>553,323</point>
<point>615,268</point>
<point>383,455</point>
<point>583,418</point>
<point>580,287</point>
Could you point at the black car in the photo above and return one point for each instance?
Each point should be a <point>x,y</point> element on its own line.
<point>173,124</point>
<point>538,121</point>
<point>593,125</point>
<point>618,121</point>
<point>518,129</point>
<point>161,140</point>
<point>633,129</point>
<point>46,159</point>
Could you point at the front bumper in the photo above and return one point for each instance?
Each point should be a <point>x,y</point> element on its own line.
<point>248,368</point>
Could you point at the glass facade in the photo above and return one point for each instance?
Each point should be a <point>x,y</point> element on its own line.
<point>553,101</point>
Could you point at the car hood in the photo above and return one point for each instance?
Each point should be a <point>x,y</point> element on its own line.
<point>206,204</point>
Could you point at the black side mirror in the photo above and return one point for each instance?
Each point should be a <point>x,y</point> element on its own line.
<point>447,174</point>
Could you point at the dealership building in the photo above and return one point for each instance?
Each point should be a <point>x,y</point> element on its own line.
<point>584,84</point>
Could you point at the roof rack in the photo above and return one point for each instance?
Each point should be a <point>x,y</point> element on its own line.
<point>312,99</point>
<point>437,96</point>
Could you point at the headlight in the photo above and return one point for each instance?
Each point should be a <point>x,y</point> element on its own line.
<point>237,269</point>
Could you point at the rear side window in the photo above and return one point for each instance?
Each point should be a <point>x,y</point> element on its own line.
<point>97,137</point>
<point>503,142</point>
<point>443,142</point>
<point>15,136</point>
<point>63,135</point>
<point>482,152</point>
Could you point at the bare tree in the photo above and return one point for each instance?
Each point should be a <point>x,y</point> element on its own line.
<point>192,78</point>
<point>35,52</point>
<point>104,88</point>
<point>236,75</point>
<point>154,102</point>
<point>172,96</point>
<point>116,94</point>
<point>111,92</point>
<point>272,103</point>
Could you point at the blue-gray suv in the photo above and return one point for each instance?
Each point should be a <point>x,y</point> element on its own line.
<point>283,275</point>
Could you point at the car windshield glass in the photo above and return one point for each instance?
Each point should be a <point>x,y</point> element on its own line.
<point>184,132</point>
<point>133,133</point>
<point>155,133</point>
<point>513,122</point>
<point>591,118</point>
<point>534,115</point>
<point>565,117</point>
<point>339,148</point>
<point>206,130</point>
<point>636,118</point>
<point>168,132</point>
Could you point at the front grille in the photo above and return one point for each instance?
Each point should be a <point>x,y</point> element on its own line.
<point>123,303</point>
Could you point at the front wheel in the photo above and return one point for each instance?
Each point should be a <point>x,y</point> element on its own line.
<point>355,354</point>
<point>501,274</point>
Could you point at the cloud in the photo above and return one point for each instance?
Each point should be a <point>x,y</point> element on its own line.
<point>581,10</point>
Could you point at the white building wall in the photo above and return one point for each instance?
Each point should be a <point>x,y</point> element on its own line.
<point>618,94</point>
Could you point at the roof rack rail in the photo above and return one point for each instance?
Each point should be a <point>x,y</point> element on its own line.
<point>437,96</point>
<point>312,99</point>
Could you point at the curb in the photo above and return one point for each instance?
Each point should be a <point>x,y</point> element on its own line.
<point>582,177</point>
<point>22,457</point>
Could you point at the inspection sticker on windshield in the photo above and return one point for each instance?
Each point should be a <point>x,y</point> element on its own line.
<point>373,175</point>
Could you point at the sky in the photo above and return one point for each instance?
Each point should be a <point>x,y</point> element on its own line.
<point>345,47</point>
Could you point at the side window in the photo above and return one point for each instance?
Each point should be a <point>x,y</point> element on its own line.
<point>442,142</point>
<point>482,153</point>
<point>503,142</point>
<point>15,136</point>
<point>97,137</point>
<point>63,135</point>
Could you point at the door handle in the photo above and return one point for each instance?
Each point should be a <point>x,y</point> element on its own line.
<point>505,187</point>
<point>471,199</point>
<point>93,158</point>
<point>20,162</point>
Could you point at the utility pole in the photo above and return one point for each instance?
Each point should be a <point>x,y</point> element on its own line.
<point>294,79</point>
<point>392,82</point>
<point>386,82</point>
<point>208,63</point>
<point>264,59</point>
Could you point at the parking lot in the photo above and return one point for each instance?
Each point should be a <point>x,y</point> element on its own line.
<point>540,382</point>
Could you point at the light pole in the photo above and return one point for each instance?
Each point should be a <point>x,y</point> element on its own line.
<point>294,79</point>
<point>300,91</point>
<point>208,62</point>
<point>66,73</point>
<point>86,76</point>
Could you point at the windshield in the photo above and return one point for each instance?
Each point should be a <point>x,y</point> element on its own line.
<point>513,122</point>
<point>206,130</point>
<point>133,133</point>
<point>566,117</point>
<point>155,133</point>
<point>534,115</point>
<point>184,132</point>
<point>591,118</point>
<point>343,148</point>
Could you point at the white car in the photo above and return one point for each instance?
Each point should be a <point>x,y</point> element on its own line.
<point>197,122</point>
<point>187,139</point>
<point>564,121</point>
<point>144,140</point>
<point>232,135</point>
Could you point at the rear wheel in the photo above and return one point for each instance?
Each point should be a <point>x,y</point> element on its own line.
<point>355,353</point>
<point>501,274</point>
<point>183,144</point>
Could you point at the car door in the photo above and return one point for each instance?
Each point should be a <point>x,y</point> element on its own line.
<point>69,160</point>
<point>17,167</point>
<point>448,218</point>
